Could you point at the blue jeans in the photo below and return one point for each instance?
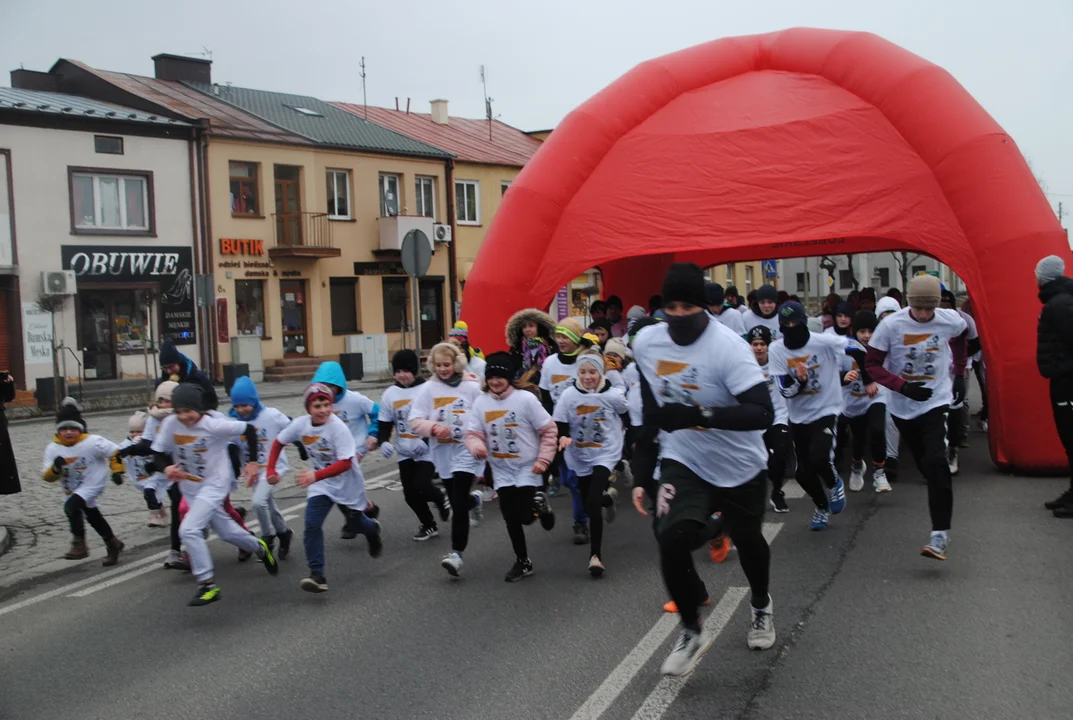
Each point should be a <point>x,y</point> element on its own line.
<point>568,479</point>
<point>317,511</point>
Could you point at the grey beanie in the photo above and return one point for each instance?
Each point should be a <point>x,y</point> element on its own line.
<point>1050,268</point>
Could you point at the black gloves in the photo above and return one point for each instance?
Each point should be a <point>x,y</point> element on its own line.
<point>302,452</point>
<point>916,390</point>
<point>959,390</point>
<point>676,416</point>
<point>58,465</point>
<point>117,478</point>
<point>125,452</point>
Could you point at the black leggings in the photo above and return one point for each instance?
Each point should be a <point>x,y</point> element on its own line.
<point>814,444</point>
<point>593,494</point>
<point>925,436</point>
<point>458,488</point>
<point>75,507</point>
<point>516,504</point>
<point>176,497</point>
<point>777,441</point>
<point>418,490</point>
<point>150,499</point>
<point>868,429</point>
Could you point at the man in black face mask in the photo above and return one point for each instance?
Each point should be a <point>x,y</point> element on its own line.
<point>699,380</point>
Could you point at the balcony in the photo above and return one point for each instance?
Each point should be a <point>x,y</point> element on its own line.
<point>302,235</point>
<point>393,229</point>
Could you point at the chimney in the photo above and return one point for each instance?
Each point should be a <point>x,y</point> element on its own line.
<point>439,112</point>
<point>182,69</point>
<point>35,80</point>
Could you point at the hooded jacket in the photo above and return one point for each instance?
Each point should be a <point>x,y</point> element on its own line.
<point>244,392</point>
<point>189,372</point>
<point>1054,346</point>
<point>331,373</point>
<point>530,354</point>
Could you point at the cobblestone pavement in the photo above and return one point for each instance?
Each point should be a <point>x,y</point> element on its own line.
<point>35,516</point>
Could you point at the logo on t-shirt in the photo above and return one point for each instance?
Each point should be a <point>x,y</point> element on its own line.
<point>812,365</point>
<point>504,434</point>
<point>191,451</point>
<point>922,350</point>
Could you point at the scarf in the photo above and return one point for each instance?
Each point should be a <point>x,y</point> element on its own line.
<point>453,381</point>
<point>534,353</point>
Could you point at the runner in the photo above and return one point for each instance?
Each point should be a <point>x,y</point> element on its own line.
<point>439,412</point>
<point>864,412</point>
<point>512,431</point>
<point>696,373</point>
<point>957,426</point>
<point>843,324</point>
<point>151,484</point>
<point>459,335</point>
<point>590,438</point>
<point>415,464</point>
<point>777,437</point>
<point>530,339</point>
<point>912,353</point>
<point>335,480</point>
<point>602,330</point>
<point>766,312</point>
<point>718,307</point>
<point>888,305</point>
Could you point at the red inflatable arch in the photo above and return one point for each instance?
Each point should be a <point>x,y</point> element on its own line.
<point>799,142</point>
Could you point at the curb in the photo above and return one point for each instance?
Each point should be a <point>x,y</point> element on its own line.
<point>5,539</point>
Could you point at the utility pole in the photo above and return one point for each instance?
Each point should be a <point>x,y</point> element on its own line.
<point>364,98</point>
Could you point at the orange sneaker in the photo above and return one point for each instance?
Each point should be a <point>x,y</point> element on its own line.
<point>719,548</point>
<point>672,607</point>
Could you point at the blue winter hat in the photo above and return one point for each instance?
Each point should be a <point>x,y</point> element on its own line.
<point>331,373</point>
<point>244,392</point>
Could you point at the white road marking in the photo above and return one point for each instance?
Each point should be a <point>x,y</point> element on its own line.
<point>793,491</point>
<point>668,688</point>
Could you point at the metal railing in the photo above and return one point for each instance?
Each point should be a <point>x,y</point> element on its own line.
<point>301,229</point>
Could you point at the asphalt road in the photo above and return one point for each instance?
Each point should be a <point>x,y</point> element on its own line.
<point>866,627</point>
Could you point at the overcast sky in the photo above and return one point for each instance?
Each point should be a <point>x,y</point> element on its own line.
<point>544,58</point>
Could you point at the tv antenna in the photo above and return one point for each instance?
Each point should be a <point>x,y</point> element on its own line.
<point>205,53</point>
<point>487,101</point>
<point>364,99</point>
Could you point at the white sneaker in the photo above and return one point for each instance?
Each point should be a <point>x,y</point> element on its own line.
<point>687,652</point>
<point>452,563</point>
<point>856,476</point>
<point>952,460</point>
<point>611,511</point>
<point>879,480</point>
<point>477,513</point>
<point>762,629</point>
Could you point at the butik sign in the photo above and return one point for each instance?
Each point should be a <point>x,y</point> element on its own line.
<point>170,268</point>
<point>236,246</point>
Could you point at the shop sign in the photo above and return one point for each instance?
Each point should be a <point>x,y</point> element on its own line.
<point>379,268</point>
<point>236,246</point>
<point>37,333</point>
<point>171,267</point>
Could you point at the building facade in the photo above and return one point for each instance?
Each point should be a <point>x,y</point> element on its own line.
<point>882,271</point>
<point>745,276</point>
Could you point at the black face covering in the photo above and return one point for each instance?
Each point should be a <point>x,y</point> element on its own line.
<point>686,329</point>
<point>795,337</point>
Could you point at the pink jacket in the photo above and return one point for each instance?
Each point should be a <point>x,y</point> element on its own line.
<point>549,436</point>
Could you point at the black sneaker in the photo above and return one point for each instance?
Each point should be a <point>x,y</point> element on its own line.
<point>778,502</point>
<point>207,593</point>
<point>285,544</point>
<point>581,534</point>
<point>426,532</point>
<point>315,583</point>
<point>521,569</point>
<point>445,509</point>
<point>543,510</point>
<point>270,541</point>
<point>268,558</point>
<point>1061,501</point>
<point>376,545</point>
<point>244,555</point>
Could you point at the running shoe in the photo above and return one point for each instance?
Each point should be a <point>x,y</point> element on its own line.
<point>856,476</point>
<point>596,566</point>
<point>952,460</point>
<point>268,558</point>
<point>719,548</point>
<point>1061,501</point>
<point>315,583</point>
<point>426,532</point>
<point>819,519</point>
<point>778,502</point>
<point>543,510</point>
<point>445,509</point>
<point>581,534</point>
<point>376,542</point>
<point>688,650</point>
<point>836,497</point>
<point>879,480</point>
<point>672,607</point>
<point>937,546</point>
<point>372,511</point>
<point>207,593</point>
<point>519,571</point>
<point>176,561</point>
<point>477,513</point>
<point>611,511</point>
<point>762,627</point>
<point>285,544</point>
<point>452,563</point>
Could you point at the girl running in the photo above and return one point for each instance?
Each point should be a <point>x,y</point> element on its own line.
<point>151,484</point>
<point>459,335</point>
<point>864,412</point>
<point>513,431</point>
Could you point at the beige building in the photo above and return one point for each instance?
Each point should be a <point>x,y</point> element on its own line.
<point>745,276</point>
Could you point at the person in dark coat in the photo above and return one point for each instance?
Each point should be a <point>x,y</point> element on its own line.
<point>181,369</point>
<point>9,471</point>
<point>1054,357</point>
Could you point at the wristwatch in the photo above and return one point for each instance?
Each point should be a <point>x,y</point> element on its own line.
<point>707,413</point>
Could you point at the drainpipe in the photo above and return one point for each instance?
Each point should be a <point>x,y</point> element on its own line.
<point>452,253</point>
<point>209,257</point>
<point>195,221</point>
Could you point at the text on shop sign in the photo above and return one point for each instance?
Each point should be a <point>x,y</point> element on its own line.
<point>236,246</point>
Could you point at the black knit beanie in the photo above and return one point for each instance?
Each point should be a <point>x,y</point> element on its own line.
<point>499,365</point>
<point>189,396</point>
<point>405,360</point>
<point>69,416</point>
<point>864,320</point>
<point>684,283</point>
<point>767,292</point>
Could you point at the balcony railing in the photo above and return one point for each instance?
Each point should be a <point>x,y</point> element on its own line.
<point>302,234</point>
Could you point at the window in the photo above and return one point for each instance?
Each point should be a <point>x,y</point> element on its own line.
<point>803,282</point>
<point>389,195</point>
<point>344,297</point>
<point>250,307</point>
<point>503,187</point>
<point>467,202</point>
<point>425,192</point>
<point>730,275</point>
<point>110,202</point>
<point>244,193</point>
<point>919,269</point>
<point>108,144</point>
<point>748,279</point>
<point>304,110</point>
<point>395,305</point>
<point>845,279</point>
<point>338,194</point>
<point>884,276</point>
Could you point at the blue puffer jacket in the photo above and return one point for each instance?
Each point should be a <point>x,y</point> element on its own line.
<point>331,373</point>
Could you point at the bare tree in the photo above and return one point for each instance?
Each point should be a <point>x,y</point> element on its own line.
<point>903,261</point>
<point>52,304</point>
<point>829,265</point>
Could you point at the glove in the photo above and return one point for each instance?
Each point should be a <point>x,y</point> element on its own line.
<point>117,478</point>
<point>58,465</point>
<point>916,391</point>
<point>387,450</point>
<point>302,452</point>
<point>125,452</point>
<point>676,416</point>
<point>959,391</point>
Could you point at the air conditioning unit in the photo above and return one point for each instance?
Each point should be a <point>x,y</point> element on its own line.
<point>441,234</point>
<point>58,282</point>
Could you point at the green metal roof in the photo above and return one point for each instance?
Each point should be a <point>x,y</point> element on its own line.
<point>319,121</point>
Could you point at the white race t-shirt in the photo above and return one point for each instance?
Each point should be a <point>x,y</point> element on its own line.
<point>88,466</point>
<point>709,373</point>
<point>139,477</point>
<point>354,410</point>
<point>269,422</point>
<point>822,393</point>
<point>731,318</point>
<point>446,405</point>
<point>395,409</point>
<point>615,378</point>
<point>777,400</point>
<point>556,376</point>
<point>632,378</point>
<point>511,433</point>
<point>751,320</point>
<point>595,427</point>
<point>200,451</point>
<point>855,401</point>
<point>919,352</point>
<point>326,445</point>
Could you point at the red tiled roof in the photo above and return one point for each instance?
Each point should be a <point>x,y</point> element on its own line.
<point>465,138</point>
